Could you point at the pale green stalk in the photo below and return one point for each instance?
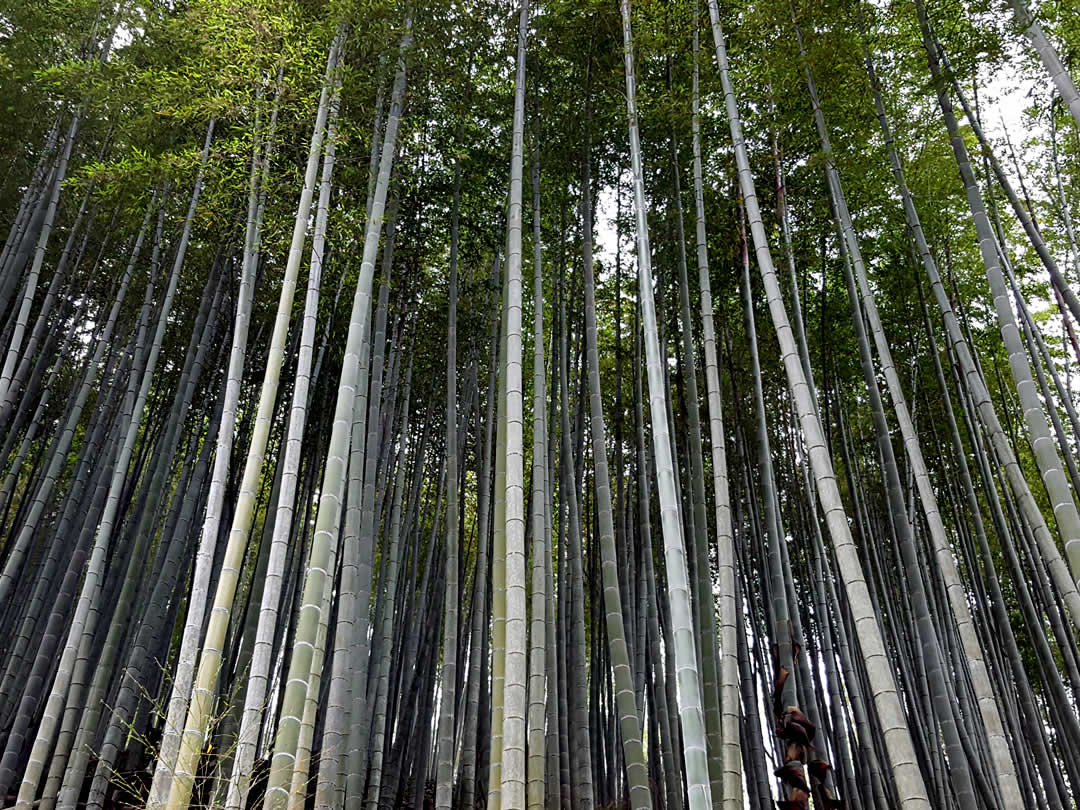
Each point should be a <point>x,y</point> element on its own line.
<point>201,706</point>
<point>512,789</point>
<point>730,744</point>
<point>688,681</point>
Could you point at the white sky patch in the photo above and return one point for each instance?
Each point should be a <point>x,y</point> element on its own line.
<point>606,234</point>
<point>123,37</point>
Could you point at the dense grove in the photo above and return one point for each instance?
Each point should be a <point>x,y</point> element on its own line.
<point>558,405</point>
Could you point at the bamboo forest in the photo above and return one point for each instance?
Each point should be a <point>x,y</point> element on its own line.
<point>547,404</point>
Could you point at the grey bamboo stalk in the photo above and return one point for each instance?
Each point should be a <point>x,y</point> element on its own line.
<point>911,791</point>
<point>662,688</point>
<point>371,401</point>
<point>1050,469</point>
<point>23,316</point>
<point>498,573</point>
<point>259,669</point>
<point>444,784</point>
<point>578,734</point>
<point>364,706</point>
<point>539,691</point>
<point>16,550</point>
<point>626,702</point>
<point>512,790</point>
<point>103,671</point>
<point>354,590</point>
<point>553,745</point>
<point>1059,75</point>
<point>380,718</point>
<point>1004,768</point>
<point>1061,286</point>
<point>92,588</point>
<point>201,705</point>
<point>10,757</point>
<point>254,698</point>
<point>780,612</point>
<point>731,751</point>
<point>85,615</point>
<point>187,655</point>
<point>704,604</point>
<point>678,583</point>
<point>301,759</point>
<point>478,620</point>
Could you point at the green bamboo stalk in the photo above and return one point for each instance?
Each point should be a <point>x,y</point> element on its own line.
<point>687,678</point>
